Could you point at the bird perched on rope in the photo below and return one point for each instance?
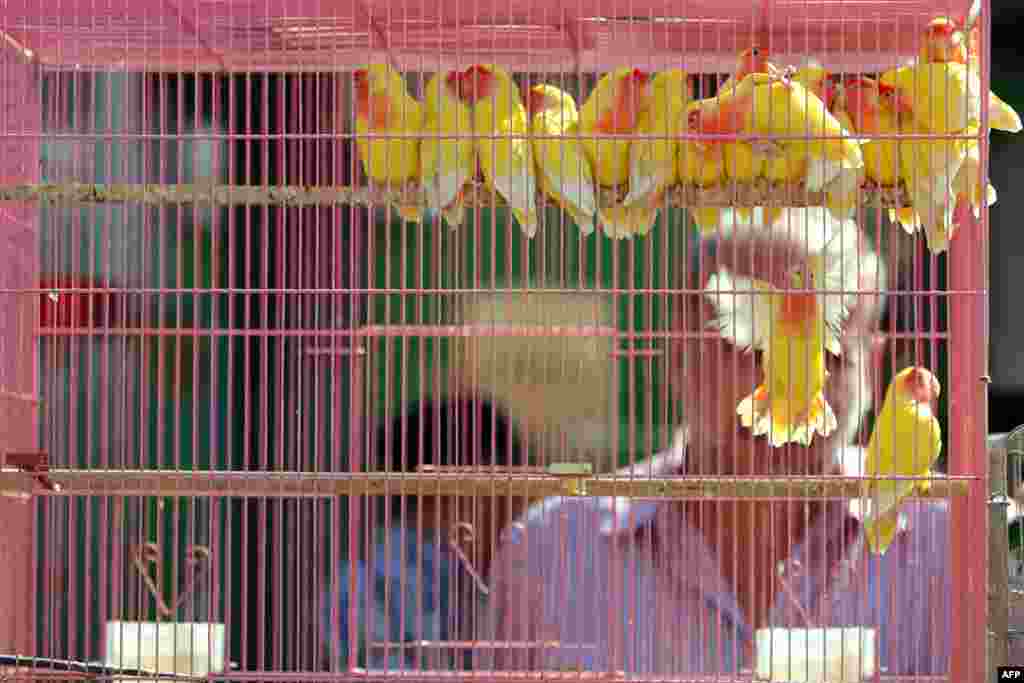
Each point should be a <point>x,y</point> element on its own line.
<point>446,163</point>
<point>813,143</point>
<point>563,170</point>
<point>506,156</point>
<point>654,162</point>
<point>945,41</point>
<point>866,106</point>
<point>615,107</point>
<point>384,106</point>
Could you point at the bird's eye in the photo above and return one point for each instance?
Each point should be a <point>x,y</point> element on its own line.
<point>755,52</point>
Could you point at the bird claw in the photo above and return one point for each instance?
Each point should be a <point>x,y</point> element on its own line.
<point>410,188</point>
<point>784,76</point>
<point>767,149</point>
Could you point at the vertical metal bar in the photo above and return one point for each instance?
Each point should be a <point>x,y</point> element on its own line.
<point>968,415</point>
<point>999,551</point>
<point>20,412</point>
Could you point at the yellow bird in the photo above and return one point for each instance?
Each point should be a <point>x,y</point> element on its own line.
<point>615,107</point>
<point>384,106</point>
<point>701,163</point>
<point>946,42</point>
<point>818,149</point>
<point>945,98</point>
<point>753,60</point>
<point>654,162</point>
<point>766,160</point>
<point>748,160</point>
<point>790,405</point>
<point>834,262</point>
<point>866,106</point>
<point>794,329</point>
<point>506,158</point>
<point>741,161</point>
<point>446,164</point>
<point>906,441</point>
<point>563,171</point>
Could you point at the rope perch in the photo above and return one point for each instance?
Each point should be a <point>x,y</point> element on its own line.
<point>760,193</point>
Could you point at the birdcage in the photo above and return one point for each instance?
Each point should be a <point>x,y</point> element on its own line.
<point>281,400</point>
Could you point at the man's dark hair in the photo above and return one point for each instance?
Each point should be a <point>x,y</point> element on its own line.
<point>447,431</point>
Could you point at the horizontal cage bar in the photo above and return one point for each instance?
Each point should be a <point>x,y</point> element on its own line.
<point>265,484</point>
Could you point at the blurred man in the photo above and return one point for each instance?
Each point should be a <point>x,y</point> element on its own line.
<point>665,587</point>
<point>429,558</point>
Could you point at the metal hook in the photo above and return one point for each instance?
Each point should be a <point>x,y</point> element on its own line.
<point>790,594</point>
<point>470,537</point>
<point>198,559</point>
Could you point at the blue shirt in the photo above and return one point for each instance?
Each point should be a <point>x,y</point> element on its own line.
<point>607,584</point>
<point>415,591</point>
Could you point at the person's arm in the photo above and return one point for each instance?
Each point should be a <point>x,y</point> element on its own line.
<point>661,464</point>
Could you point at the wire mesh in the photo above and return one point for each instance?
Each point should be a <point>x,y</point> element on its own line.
<point>269,409</point>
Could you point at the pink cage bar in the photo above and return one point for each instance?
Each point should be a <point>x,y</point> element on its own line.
<point>317,40</point>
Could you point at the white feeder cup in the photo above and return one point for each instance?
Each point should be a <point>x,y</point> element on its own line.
<point>188,648</point>
<point>815,655</point>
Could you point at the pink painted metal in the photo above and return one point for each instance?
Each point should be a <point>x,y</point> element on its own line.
<point>19,385</point>
<point>259,342</point>
<point>968,410</point>
<point>313,35</point>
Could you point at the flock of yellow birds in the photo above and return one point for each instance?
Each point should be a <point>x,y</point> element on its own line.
<point>644,132</point>
<point>804,126</point>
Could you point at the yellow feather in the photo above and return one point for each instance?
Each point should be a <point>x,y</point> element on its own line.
<point>1002,116</point>
<point>928,168</point>
<point>812,77</point>
<point>967,186</point>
